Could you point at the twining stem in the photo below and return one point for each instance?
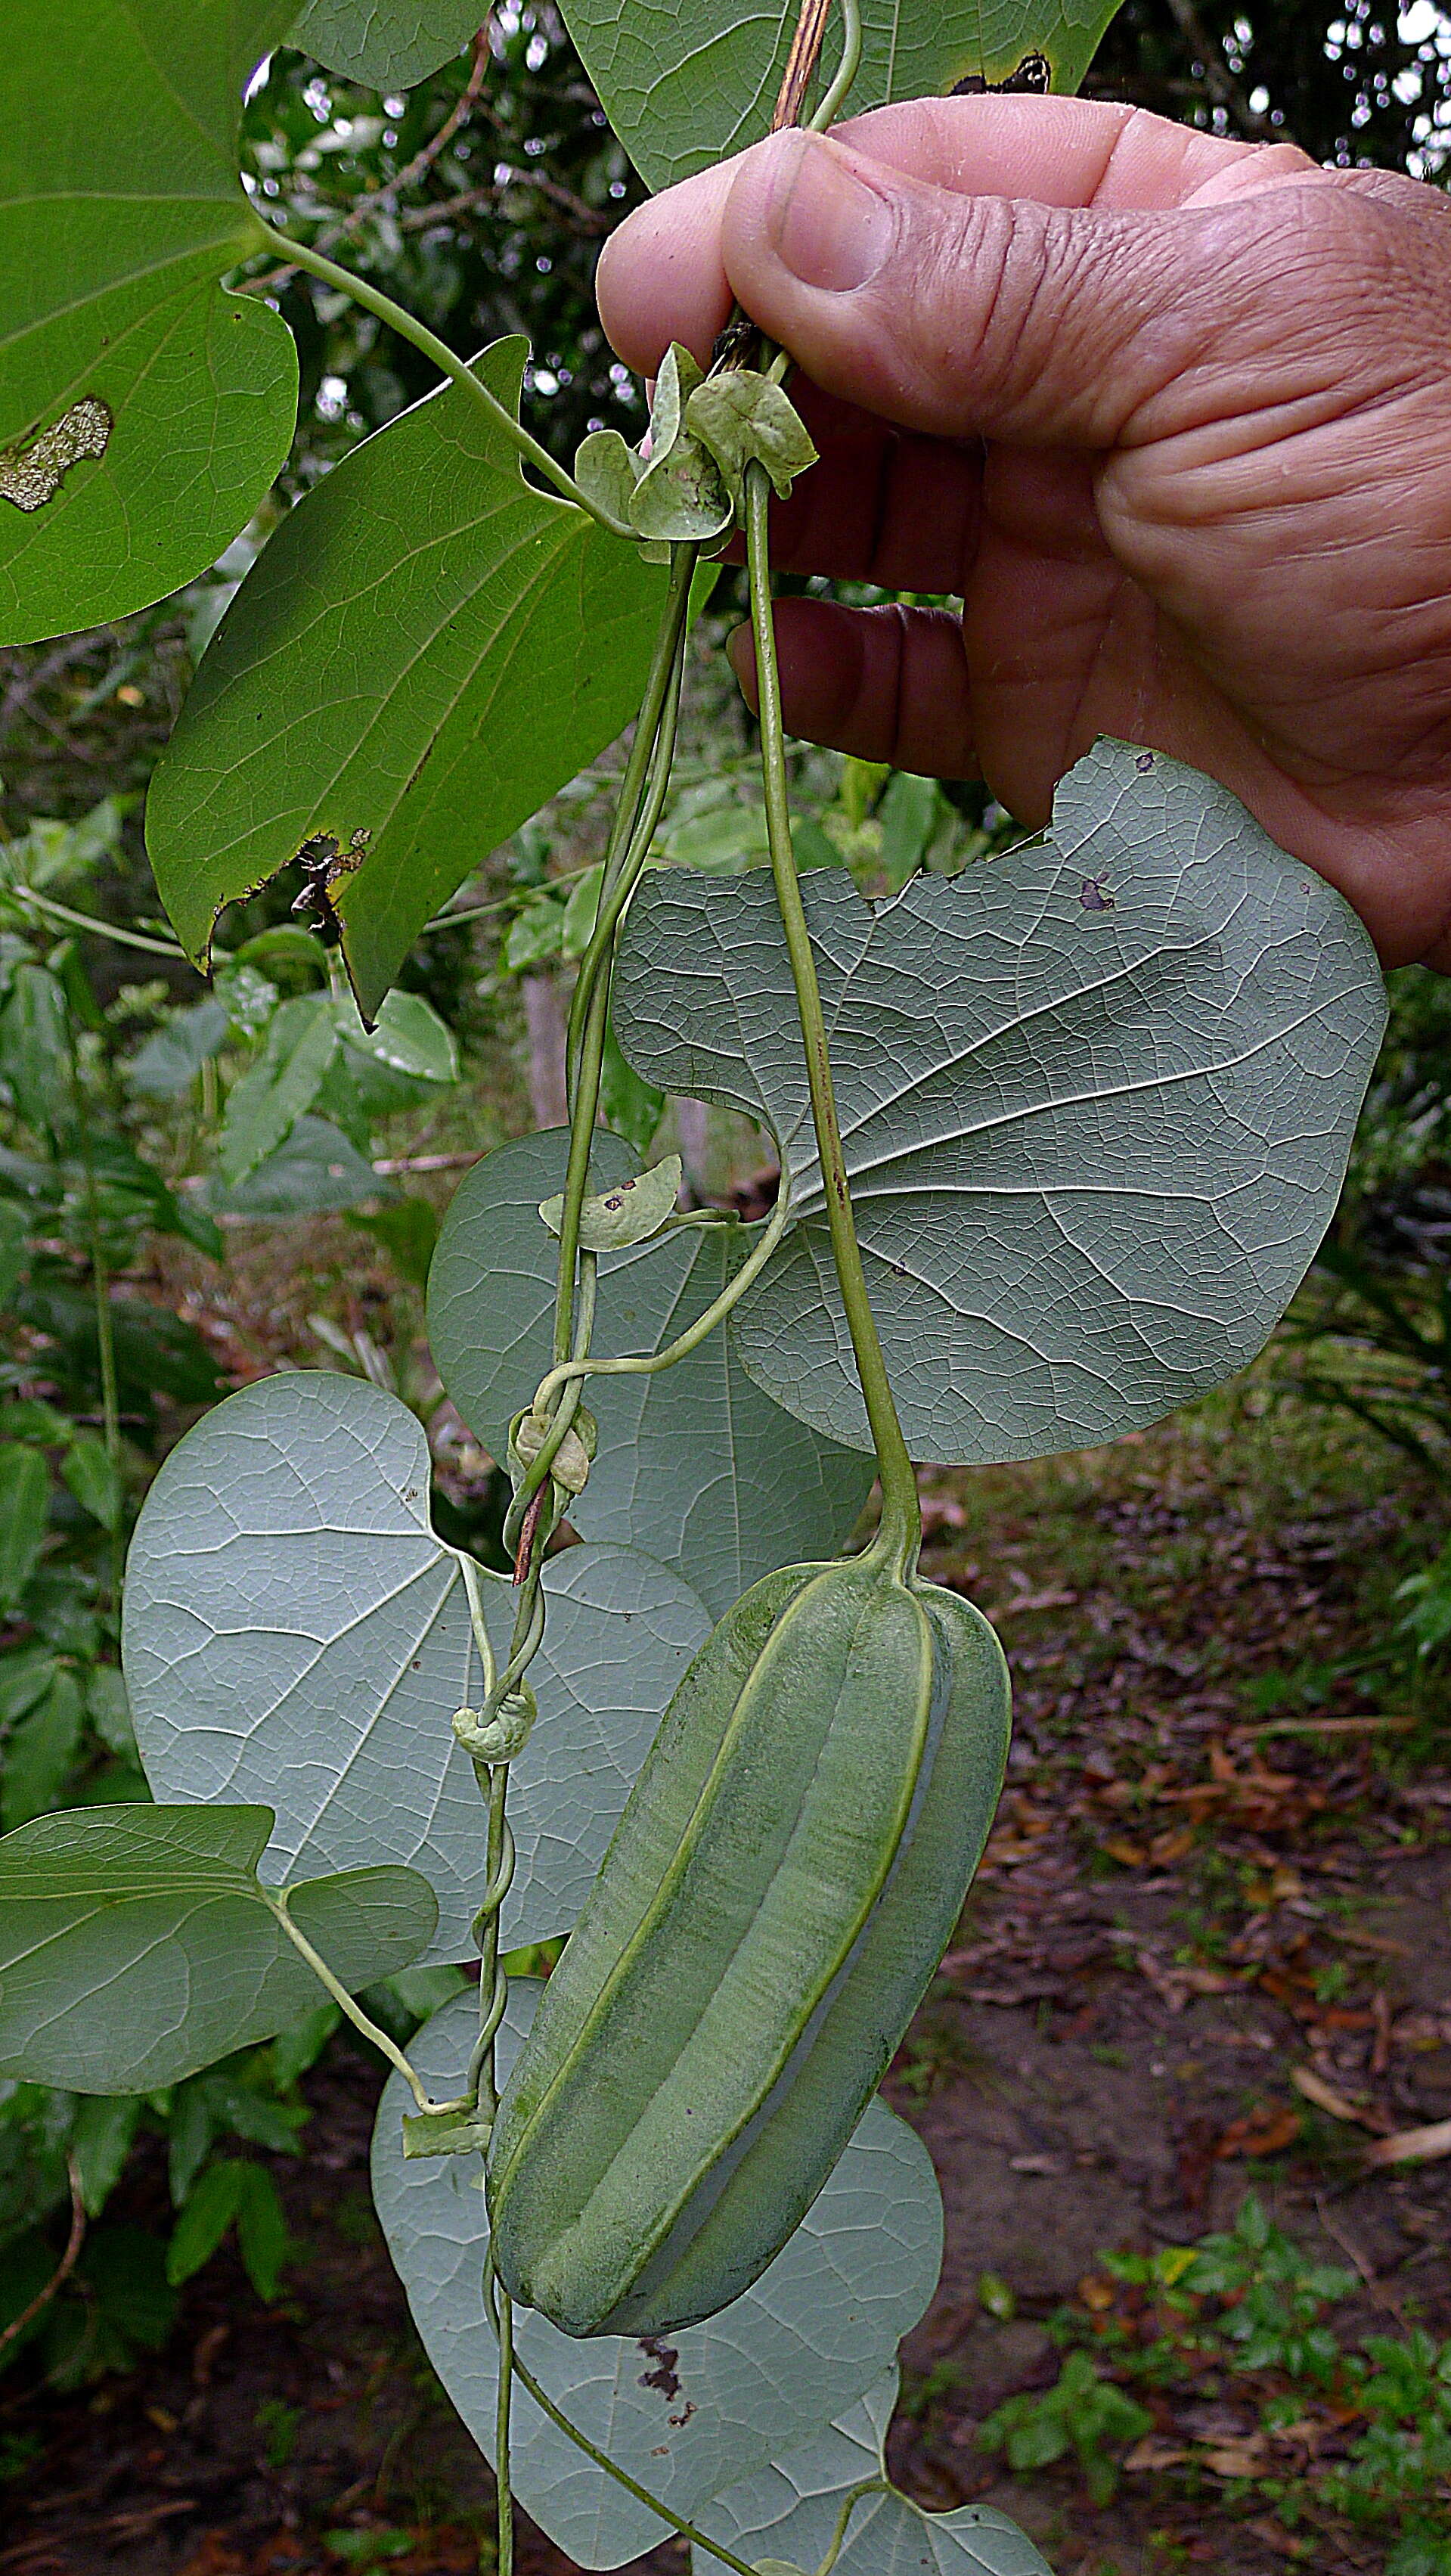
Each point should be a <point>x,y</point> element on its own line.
<point>619,884</point>
<point>694,1334</point>
<point>408,327</point>
<point>589,1036</point>
<point>900,1536</point>
<point>504,2328</point>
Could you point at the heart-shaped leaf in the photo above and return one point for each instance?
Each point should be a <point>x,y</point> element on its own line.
<point>1097,1098</point>
<point>137,1944</point>
<point>294,1631</point>
<point>695,1463</point>
<point>144,413</point>
<point>686,2416</point>
<point>426,649</point>
<point>796,2503</point>
<point>683,87</point>
<point>387,44</point>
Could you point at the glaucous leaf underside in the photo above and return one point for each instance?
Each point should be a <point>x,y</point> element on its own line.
<point>294,1632</point>
<point>1096,1097</point>
<point>696,1465</point>
<point>688,2415</point>
<point>792,2509</point>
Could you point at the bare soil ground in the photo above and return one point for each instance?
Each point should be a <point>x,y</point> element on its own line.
<point>1216,1899</point>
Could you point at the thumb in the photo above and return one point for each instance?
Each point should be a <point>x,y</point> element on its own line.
<point>982,315</point>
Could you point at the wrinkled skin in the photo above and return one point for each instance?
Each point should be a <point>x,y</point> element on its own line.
<point>1171,414</point>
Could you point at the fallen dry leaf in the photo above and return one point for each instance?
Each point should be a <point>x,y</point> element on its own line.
<point>1412,2146</point>
<point>1261,2133</point>
<point>1326,2098</point>
<point>1152,2453</point>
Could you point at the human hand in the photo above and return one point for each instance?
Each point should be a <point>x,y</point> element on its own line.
<point>1171,414</point>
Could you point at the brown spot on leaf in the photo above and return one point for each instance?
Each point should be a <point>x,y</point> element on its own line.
<point>664,2376</point>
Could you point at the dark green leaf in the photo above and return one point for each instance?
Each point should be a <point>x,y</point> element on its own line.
<point>686,86</point>
<point>40,1753</point>
<point>35,1049</point>
<point>100,2144</point>
<point>170,1061</point>
<point>385,44</point>
<point>317,1169</point>
<point>423,653</point>
<point>91,1474</point>
<point>210,2207</point>
<point>24,1511</point>
<point>144,412</point>
<point>262,2232</point>
<point>269,1100</point>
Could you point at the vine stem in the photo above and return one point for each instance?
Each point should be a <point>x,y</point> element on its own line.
<point>589,1030</point>
<point>900,1535</point>
<point>408,327</point>
<point>705,1323</point>
<point>622,2477</point>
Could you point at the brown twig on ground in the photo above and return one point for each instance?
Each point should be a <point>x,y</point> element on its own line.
<point>63,2270</point>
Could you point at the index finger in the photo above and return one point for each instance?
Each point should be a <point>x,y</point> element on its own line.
<point>661,276</point>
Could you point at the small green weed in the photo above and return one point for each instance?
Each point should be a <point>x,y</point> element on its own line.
<point>1083,2414</point>
<point>279,2425</point>
<point>1245,2317</point>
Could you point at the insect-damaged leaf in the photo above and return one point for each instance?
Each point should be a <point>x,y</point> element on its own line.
<point>696,1464</point>
<point>426,649</point>
<point>388,44</point>
<point>295,1632</point>
<point>1096,1098</point>
<point>144,413</point>
<point>793,2507</point>
<point>684,86</point>
<point>137,1945</point>
<point>690,2414</point>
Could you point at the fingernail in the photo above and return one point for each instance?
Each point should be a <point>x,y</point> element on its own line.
<point>830,228</point>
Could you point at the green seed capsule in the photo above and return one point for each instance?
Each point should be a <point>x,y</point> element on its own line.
<point>784,1879</point>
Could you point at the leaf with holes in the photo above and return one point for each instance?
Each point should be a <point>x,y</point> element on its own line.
<point>685,85</point>
<point>295,1632</point>
<point>144,413</point>
<point>796,2504</point>
<point>426,649</point>
<point>137,1944</point>
<point>685,2417</point>
<point>696,1463</point>
<point>1097,1098</point>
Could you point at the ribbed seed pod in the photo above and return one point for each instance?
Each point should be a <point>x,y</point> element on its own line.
<point>786,1874</point>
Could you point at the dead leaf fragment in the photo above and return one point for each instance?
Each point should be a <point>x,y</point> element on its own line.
<point>1412,2146</point>
<point>1326,2098</point>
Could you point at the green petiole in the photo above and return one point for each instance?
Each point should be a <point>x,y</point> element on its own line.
<point>704,1324</point>
<point>900,1535</point>
<point>408,327</point>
